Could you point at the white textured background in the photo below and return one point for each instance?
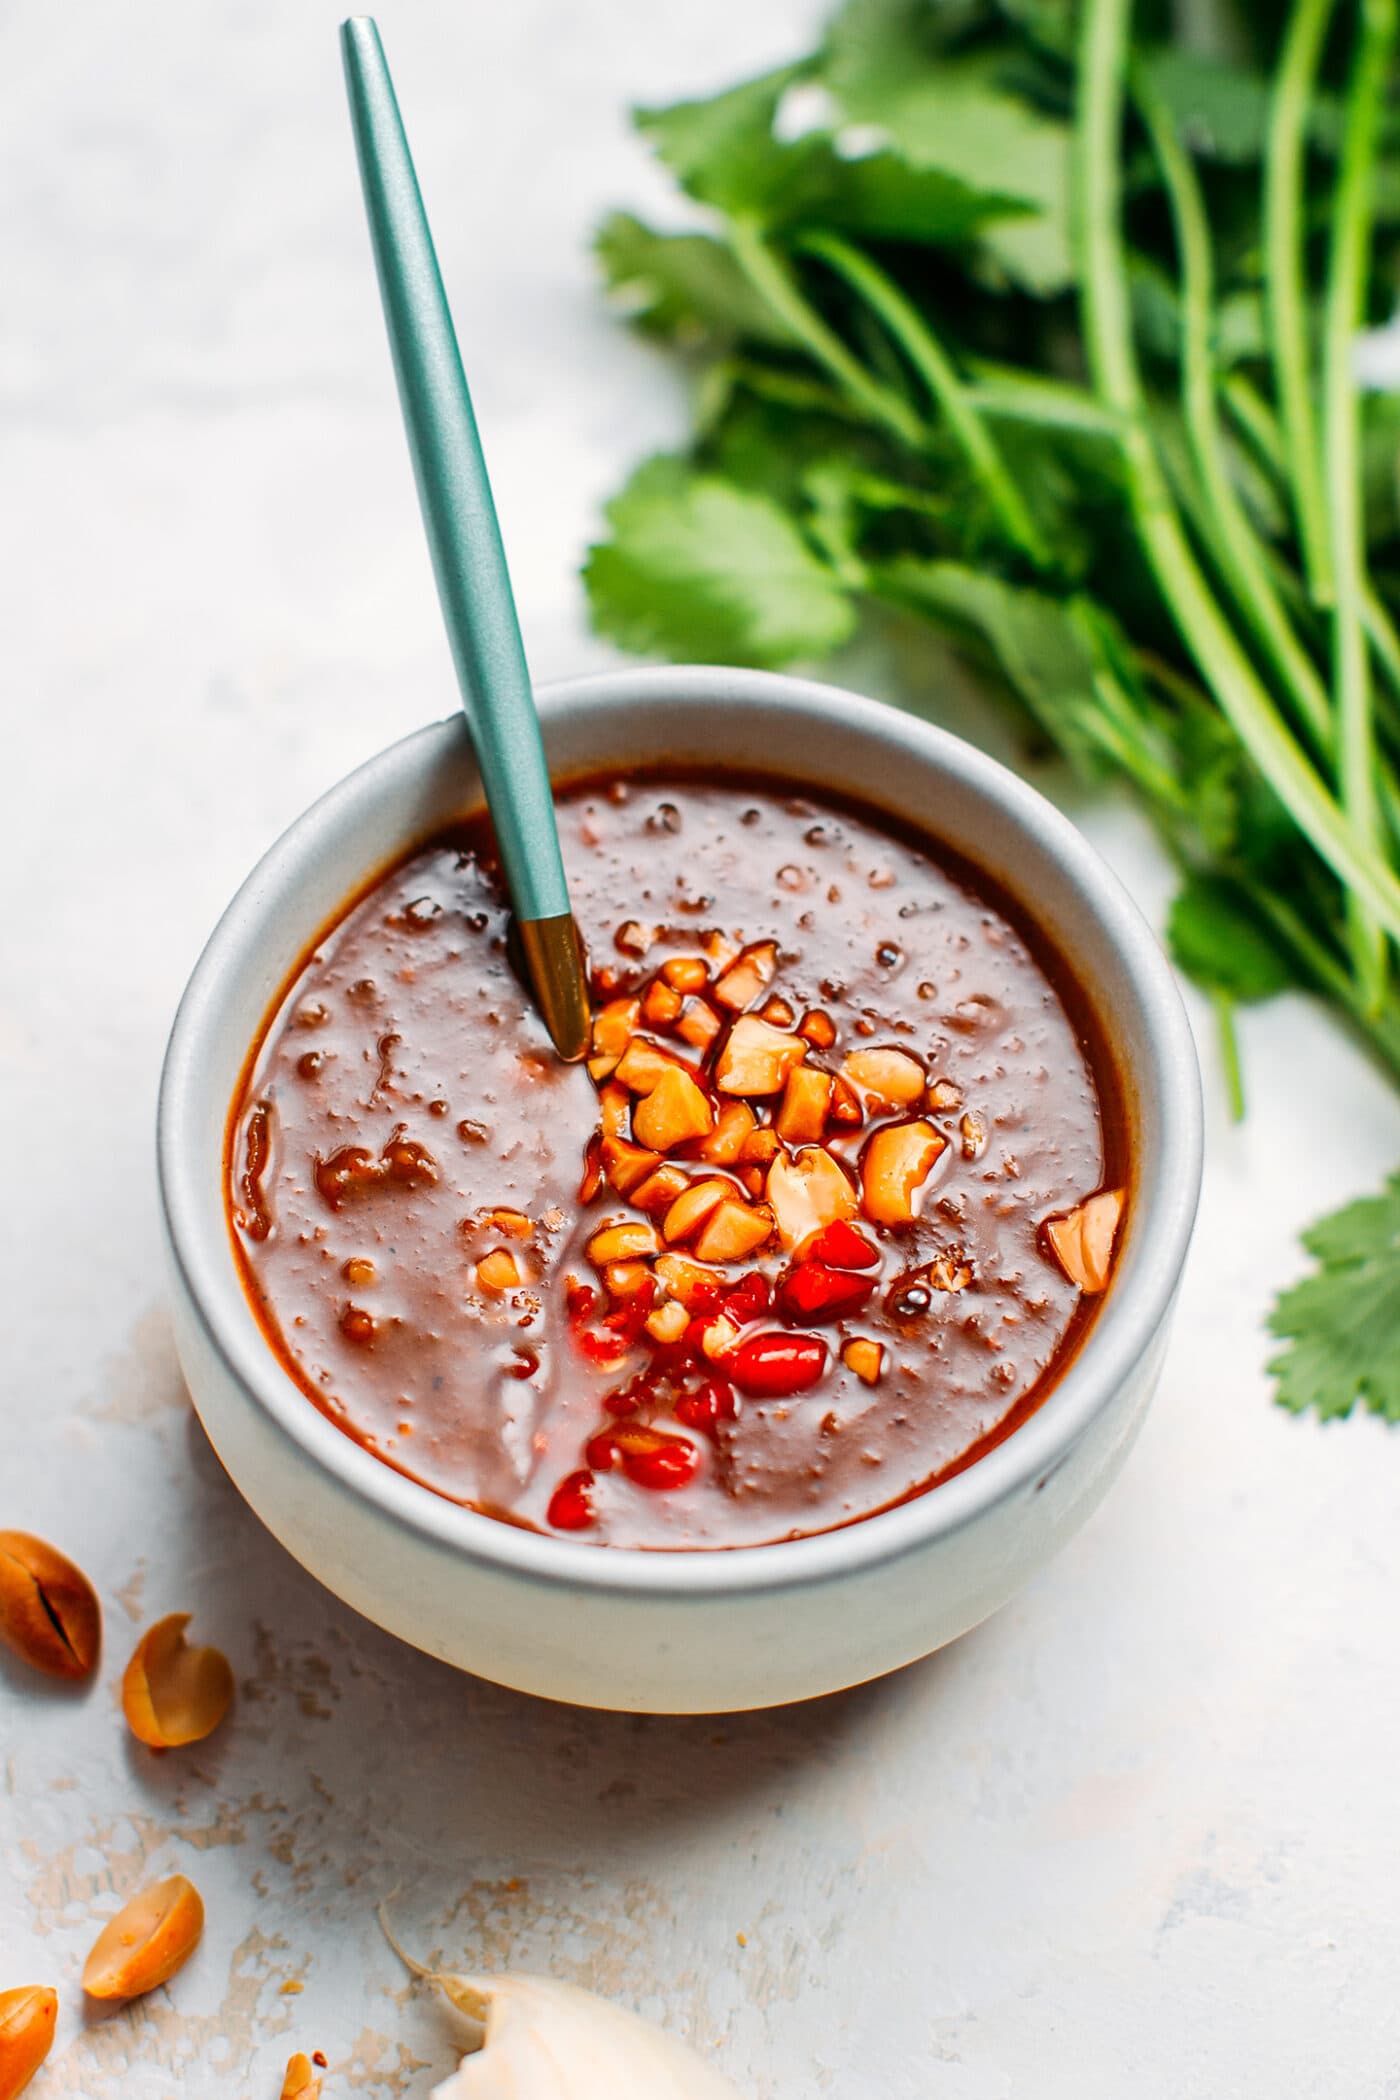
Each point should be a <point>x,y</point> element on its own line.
<point>1136,1836</point>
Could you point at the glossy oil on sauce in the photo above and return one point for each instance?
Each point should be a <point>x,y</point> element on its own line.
<point>405,1091</point>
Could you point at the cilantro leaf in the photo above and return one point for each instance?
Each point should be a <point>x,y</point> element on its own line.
<point>1221,110</point>
<point>1221,945</point>
<point>684,285</point>
<point>1341,1322</point>
<point>960,116</point>
<point>701,570</point>
<point>726,153</point>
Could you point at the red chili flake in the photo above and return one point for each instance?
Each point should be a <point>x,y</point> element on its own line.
<point>814,1291</point>
<point>571,1504</point>
<point>602,1451</point>
<point>749,1299</point>
<point>775,1365</point>
<point>650,1457</point>
<point>708,1406</point>
<point>597,1348</point>
<point>631,1317</point>
<point>840,1244</point>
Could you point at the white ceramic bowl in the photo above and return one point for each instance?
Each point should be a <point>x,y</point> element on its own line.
<point>693,1631</point>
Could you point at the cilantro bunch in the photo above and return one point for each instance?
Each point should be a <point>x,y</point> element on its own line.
<point>1018,319</point>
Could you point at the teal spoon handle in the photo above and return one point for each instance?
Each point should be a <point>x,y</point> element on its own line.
<point>463,534</point>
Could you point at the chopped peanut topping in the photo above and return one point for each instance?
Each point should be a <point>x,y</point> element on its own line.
<point>633,938</point>
<point>806,1192</point>
<point>751,975</point>
<point>498,1271</point>
<point>686,973</point>
<point>642,1065</point>
<point>614,1025</point>
<point>669,1322</point>
<point>660,1190</point>
<point>759,1147</point>
<point>724,1145</point>
<point>801,1116</point>
<point>845,1109</point>
<point>661,1006</point>
<point>699,1024</point>
<point>513,1222</point>
<point>778,1012</point>
<point>621,1241</point>
<point>757,1057</point>
<point>720,1337</point>
<point>625,1165</point>
<point>818,1029</point>
<point>949,1274</point>
<point>892,1074</point>
<point>1082,1240</point>
<point>894,1167</point>
<point>687,1280</point>
<point>943,1094</point>
<point>674,1110</point>
<point>865,1358</point>
<point>690,1210</point>
<point>626,1279</point>
<point>733,1231</point>
<point>615,1111</point>
<point>973,1132</point>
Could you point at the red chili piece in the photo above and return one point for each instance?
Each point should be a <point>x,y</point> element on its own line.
<point>840,1244</point>
<point>631,1317</point>
<point>749,1299</point>
<point>708,1406</point>
<point>772,1366</point>
<point>571,1504</point>
<point>649,1456</point>
<point>813,1291</point>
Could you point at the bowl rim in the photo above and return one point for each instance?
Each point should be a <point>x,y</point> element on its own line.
<point>1167,1184</point>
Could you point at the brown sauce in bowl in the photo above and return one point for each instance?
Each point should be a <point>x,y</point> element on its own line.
<point>406,1159</point>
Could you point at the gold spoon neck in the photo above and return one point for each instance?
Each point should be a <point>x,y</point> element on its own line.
<point>553,955</point>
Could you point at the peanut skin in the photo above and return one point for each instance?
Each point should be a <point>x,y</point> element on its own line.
<point>49,1611</point>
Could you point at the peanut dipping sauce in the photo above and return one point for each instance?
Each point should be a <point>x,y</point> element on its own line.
<point>405,1160</point>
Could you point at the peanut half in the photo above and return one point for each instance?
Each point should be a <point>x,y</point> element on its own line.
<point>27,2019</point>
<point>301,2081</point>
<point>48,1609</point>
<point>144,1945</point>
<point>1082,1241</point>
<point>173,1693</point>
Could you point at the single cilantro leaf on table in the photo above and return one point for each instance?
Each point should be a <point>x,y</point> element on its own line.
<point>702,571</point>
<point>1341,1322</point>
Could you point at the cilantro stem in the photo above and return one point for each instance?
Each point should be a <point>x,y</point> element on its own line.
<point>1231,536</point>
<point>1207,633</point>
<point>1229,1054</point>
<point>1344,311</point>
<point>1259,426</point>
<point>934,366</point>
<point>774,283</point>
<point>1285,281</point>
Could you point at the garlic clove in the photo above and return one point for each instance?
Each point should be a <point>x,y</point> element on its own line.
<point>545,2040</point>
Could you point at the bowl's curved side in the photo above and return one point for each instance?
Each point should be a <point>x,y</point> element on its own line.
<point>389,1546</point>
